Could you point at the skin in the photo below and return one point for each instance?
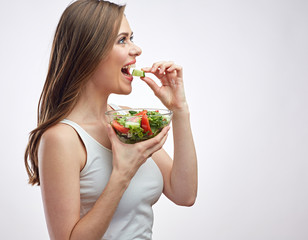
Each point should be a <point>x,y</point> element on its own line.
<point>58,164</point>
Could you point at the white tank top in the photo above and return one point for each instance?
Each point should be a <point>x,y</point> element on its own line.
<point>133,218</point>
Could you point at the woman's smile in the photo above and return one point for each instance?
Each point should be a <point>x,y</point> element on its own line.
<point>126,70</point>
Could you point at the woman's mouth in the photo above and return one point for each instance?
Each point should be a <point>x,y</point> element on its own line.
<point>126,69</point>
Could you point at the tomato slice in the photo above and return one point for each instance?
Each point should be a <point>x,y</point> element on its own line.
<point>145,124</point>
<point>119,127</point>
<point>144,112</point>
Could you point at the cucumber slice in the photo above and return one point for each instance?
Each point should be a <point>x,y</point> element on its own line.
<point>132,124</point>
<point>138,73</point>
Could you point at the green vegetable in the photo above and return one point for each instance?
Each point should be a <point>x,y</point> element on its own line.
<point>132,112</point>
<point>138,73</point>
<point>137,130</point>
<point>132,125</point>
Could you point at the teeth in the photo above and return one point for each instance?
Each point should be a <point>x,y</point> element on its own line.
<point>129,66</point>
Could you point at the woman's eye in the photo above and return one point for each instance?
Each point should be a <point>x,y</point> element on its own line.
<point>122,40</point>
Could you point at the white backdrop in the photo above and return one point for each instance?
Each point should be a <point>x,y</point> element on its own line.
<point>246,78</point>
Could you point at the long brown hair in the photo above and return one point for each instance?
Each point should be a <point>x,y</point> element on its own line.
<point>84,36</point>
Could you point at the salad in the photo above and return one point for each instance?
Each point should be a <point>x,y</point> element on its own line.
<point>136,126</point>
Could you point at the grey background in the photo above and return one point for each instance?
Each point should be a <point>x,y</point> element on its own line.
<point>245,73</point>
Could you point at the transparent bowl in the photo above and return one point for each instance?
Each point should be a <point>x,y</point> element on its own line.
<point>138,124</point>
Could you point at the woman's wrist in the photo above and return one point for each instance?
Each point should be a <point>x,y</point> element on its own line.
<point>120,179</point>
<point>180,110</point>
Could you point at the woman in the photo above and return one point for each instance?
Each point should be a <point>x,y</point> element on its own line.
<point>89,191</point>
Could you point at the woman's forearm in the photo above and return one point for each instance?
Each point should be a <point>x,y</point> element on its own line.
<point>184,176</point>
<point>95,223</point>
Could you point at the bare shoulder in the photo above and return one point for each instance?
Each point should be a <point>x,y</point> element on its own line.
<point>60,133</point>
<point>62,142</point>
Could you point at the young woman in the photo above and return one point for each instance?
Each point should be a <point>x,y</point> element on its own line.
<point>94,186</point>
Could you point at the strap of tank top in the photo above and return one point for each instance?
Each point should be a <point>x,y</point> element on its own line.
<point>82,133</point>
<point>116,107</point>
<point>85,137</point>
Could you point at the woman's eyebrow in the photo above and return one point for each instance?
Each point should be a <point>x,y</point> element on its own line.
<point>125,34</point>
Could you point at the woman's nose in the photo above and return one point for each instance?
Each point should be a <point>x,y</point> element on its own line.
<point>135,50</point>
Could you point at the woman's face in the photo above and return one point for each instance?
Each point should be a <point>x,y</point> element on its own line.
<point>112,74</point>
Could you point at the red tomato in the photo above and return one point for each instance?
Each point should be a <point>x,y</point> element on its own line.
<point>145,124</point>
<point>119,127</point>
<point>144,112</point>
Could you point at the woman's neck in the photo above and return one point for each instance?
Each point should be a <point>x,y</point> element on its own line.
<point>90,107</point>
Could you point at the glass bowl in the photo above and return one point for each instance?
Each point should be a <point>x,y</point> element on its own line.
<point>138,124</point>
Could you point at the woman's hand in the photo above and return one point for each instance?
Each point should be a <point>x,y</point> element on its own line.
<point>171,93</point>
<point>127,158</point>
<point>181,174</point>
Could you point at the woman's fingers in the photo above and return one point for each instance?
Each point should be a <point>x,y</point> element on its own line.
<point>165,70</point>
<point>158,68</point>
<point>112,135</point>
<point>161,66</point>
<point>110,131</point>
<point>146,69</point>
<point>157,140</point>
<point>158,146</point>
<point>176,68</point>
<point>154,144</point>
<point>164,66</point>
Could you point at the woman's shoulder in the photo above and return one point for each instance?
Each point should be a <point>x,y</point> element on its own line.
<point>61,136</point>
<point>59,133</point>
<point>62,141</point>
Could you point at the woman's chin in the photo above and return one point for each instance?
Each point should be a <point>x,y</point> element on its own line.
<point>128,92</point>
<point>125,91</point>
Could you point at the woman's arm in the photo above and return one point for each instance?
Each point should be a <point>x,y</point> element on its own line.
<point>61,157</point>
<point>180,175</point>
